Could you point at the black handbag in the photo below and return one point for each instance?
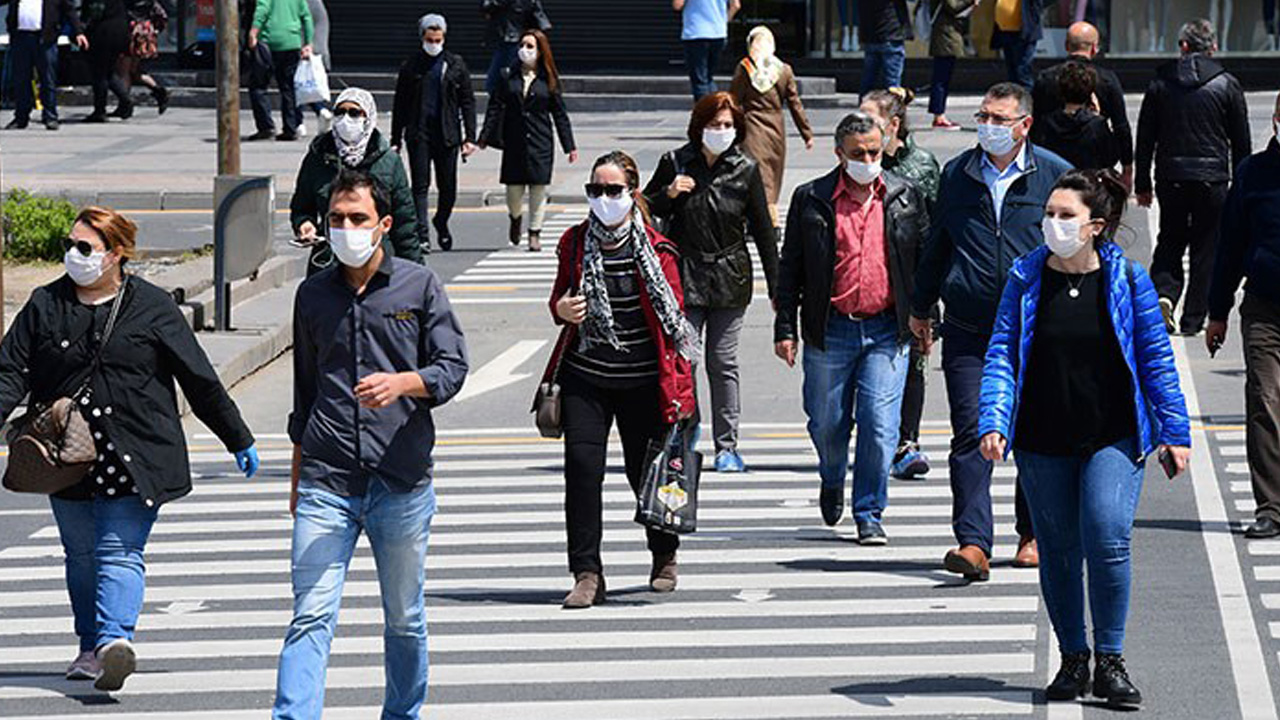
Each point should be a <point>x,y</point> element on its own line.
<point>668,498</point>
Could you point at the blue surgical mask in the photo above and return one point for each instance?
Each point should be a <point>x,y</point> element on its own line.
<point>996,139</point>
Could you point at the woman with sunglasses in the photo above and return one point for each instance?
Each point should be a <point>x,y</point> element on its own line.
<point>59,341</point>
<point>710,193</point>
<point>353,142</point>
<point>623,354</point>
<point>522,112</point>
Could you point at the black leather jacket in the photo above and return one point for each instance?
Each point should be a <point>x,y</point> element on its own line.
<point>807,267</point>
<point>709,224</point>
<point>1194,122</point>
<point>458,110</point>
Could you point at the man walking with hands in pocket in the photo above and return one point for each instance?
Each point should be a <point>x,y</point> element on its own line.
<point>376,346</point>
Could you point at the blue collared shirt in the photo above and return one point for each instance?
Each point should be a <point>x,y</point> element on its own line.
<point>402,322</point>
<point>705,20</point>
<point>998,182</point>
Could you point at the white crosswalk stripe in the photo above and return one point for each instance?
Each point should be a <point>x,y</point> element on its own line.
<point>769,599</point>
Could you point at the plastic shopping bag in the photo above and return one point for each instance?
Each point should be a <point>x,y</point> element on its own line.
<point>668,499</point>
<point>311,82</point>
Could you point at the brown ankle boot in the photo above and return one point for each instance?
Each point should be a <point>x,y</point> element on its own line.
<point>535,241</point>
<point>513,231</point>
<point>662,578</point>
<point>588,590</point>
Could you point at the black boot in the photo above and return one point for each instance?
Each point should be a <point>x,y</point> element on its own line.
<point>513,231</point>
<point>1072,680</point>
<point>124,111</point>
<point>1111,682</point>
<point>161,95</point>
<point>443,237</point>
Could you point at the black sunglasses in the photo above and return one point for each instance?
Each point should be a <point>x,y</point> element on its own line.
<point>613,190</point>
<point>83,246</point>
<point>349,112</point>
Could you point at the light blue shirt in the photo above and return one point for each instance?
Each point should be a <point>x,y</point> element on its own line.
<point>705,20</point>
<point>998,182</point>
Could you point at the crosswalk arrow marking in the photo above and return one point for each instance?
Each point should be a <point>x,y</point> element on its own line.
<point>500,371</point>
<point>183,607</point>
<point>753,596</point>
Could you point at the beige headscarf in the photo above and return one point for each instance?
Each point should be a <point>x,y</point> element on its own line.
<point>762,66</point>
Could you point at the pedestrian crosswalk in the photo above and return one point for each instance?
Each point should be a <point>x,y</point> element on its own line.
<point>776,615</point>
<point>1262,555</point>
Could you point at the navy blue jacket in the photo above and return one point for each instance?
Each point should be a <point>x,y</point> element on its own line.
<point>967,256</point>
<point>1249,245</point>
<point>1135,315</point>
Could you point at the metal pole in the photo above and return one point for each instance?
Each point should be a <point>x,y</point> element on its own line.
<point>228,33</point>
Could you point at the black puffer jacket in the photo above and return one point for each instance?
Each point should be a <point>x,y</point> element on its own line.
<point>49,349</point>
<point>808,264</point>
<point>1194,122</point>
<point>458,109</point>
<point>709,224</point>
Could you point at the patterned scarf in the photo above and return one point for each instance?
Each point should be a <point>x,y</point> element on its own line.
<point>352,153</point>
<point>763,68</point>
<point>598,327</point>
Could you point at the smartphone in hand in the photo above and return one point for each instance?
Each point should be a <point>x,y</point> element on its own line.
<point>1168,463</point>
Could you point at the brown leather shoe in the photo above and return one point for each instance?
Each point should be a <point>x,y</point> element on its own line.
<point>1028,554</point>
<point>970,562</point>
<point>588,590</point>
<point>662,578</point>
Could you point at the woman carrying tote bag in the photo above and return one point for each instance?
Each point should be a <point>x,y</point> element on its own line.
<point>58,339</point>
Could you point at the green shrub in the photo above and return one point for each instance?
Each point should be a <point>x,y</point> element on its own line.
<point>35,226</point>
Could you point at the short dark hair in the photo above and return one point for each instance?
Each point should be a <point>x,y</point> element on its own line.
<point>1003,90</point>
<point>710,106</point>
<point>353,179</point>
<point>857,122</point>
<point>1198,35</point>
<point>1077,82</point>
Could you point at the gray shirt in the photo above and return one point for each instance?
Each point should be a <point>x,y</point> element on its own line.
<point>401,323</point>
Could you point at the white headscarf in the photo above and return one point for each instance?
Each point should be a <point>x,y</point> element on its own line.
<point>352,151</point>
<point>763,67</point>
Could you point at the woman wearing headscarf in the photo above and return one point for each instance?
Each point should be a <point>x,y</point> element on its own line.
<point>762,84</point>
<point>114,344</point>
<point>354,141</point>
<point>623,354</point>
<point>519,121</point>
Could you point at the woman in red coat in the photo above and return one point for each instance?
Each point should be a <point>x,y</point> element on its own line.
<point>623,355</point>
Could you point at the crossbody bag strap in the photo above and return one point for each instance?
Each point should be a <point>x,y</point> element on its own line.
<point>106,335</point>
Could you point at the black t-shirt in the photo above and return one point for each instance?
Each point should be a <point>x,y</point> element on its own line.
<point>1077,395</point>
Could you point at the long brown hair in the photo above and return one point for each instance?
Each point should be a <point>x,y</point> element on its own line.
<point>629,168</point>
<point>546,60</point>
<point>707,108</point>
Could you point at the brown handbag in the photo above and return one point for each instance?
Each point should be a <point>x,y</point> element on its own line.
<point>51,446</point>
<point>546,401</point>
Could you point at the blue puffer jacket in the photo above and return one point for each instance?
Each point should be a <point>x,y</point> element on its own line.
<point>1135,314</point>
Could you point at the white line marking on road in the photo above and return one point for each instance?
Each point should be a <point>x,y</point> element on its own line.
<point>1248,665</point>
<point>500,371</point>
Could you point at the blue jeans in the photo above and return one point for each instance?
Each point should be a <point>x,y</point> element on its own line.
<point>859,378</point>
<point>31,53</point>
<point>1018,58</point>
<point>504,56</point>
<point>103,542</point>
<point>882,65</point>
<point>1083,511</point>
<point>325,530</point>
<point>701,57</point>
<point>940,84</point>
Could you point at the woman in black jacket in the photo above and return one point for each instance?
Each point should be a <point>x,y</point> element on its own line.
<point>518,121</point>
<point>131,407</point>
<point>107,26</point>
<point>710,192</point>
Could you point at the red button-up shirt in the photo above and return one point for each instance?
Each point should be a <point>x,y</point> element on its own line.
<point>860,285</point>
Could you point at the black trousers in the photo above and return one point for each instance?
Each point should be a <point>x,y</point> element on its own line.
<point>283,65</point>
<point>423,154</point>
<point>1260,327</point>
<point>588,412</point>
<point>912,399</point>
<point>1189,215</point>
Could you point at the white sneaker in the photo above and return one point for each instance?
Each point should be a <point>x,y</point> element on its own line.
<point>302,129</point>
<point>84,667</point>
<point>118,661</point>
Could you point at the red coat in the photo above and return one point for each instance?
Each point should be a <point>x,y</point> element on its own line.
<point>675,377</point>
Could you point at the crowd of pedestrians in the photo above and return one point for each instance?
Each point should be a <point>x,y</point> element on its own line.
<point>1054,346</point>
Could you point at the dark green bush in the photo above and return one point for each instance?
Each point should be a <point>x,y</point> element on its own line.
<point>35,226</point>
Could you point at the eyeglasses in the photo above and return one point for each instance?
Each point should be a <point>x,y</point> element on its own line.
<point>989,119</point>
<point>613,190</point>
<point>353,112</point>
<point>84,247</point>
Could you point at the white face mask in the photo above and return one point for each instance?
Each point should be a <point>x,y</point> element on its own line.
<point>349,129</point>
<point>528,56</point>
<point>1063,236</point>
<point>432,48</point>
<point>353,247</point>
<point>996,139</point>
<point>611,211</point>
<point>863,173</point>
<point>84,271</point>
<point>717,141</point>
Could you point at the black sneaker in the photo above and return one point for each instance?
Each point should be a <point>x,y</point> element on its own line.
<point>287,136</point>
<point>260,135</point>
<point>16,124</point>
<point>96,118</point>
<point>1111,682</point>
<point>1072,680</point>
<point>870,532</point>
<point>51,125</point>
<point>443,237</point>
<point>831,500</point>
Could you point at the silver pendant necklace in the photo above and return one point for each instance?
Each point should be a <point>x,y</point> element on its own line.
<point>1073,290</point>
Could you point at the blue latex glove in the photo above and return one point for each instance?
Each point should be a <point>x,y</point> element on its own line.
<point>247,461</point>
